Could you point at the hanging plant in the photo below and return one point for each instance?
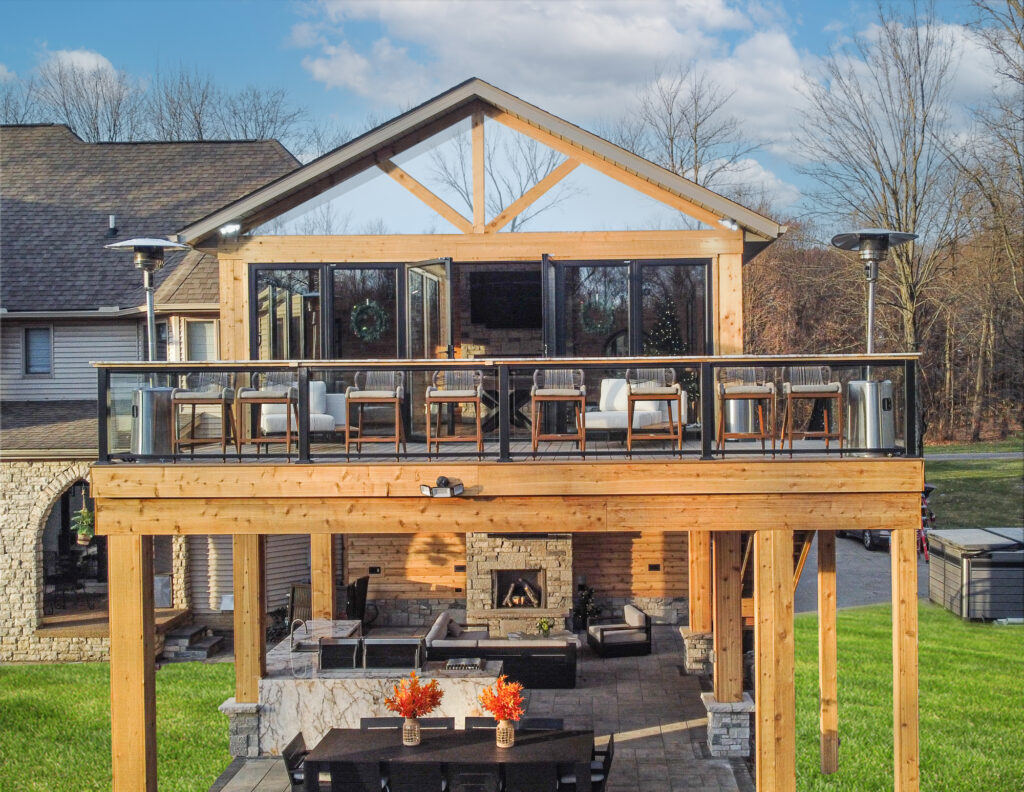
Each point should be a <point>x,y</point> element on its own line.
<point>368,320</point>
<point>82,523</point>
<point>596,317</point>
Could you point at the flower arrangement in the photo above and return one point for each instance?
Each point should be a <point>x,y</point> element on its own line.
<point>544,624</point>
<point>413,699</point>
<point>505,702</point>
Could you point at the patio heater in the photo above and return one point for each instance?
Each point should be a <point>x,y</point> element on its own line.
<point>870,419</point>
<point>152,415</point>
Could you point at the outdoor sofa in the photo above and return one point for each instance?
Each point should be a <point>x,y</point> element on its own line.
<point>612,407</point>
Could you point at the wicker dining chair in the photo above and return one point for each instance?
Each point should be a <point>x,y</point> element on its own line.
<point>747,384</point>
<point>201,389</point>
<point>380,388</point>
<point>811,383</point>
<point>559,386</point>
<point>654,385</point>
<point>462,386</point>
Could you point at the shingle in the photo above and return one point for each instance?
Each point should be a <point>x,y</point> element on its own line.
<point>44,425</point>
<point>56,193</point>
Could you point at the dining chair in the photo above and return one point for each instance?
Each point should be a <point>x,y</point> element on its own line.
<point>473,777</point>
<point>381,723</point>
<point>598,774</point>
<point>204,388</point>
<point>654,385</point>
<point>438,723</point>
<point>454,388</point>
<point>357,777</point>
<point>553,386</point>
<point>531,777</point>
<point>269,388</point>
<point>294,756</point>
<point>408,777</point>
<point>541,724</point>
<point>747,384</point>
<point>811,383</point>
<point>380,388</point>
<point>477,722</point>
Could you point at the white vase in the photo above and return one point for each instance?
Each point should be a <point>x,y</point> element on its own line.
<point>411,732</point>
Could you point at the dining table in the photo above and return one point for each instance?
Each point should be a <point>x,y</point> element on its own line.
<point>570,750</point>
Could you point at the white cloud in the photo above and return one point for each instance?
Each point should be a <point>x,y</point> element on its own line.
<point>751,179</point>
<point>86,60</point>
<point>6,74</point>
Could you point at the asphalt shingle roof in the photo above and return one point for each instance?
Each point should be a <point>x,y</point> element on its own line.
<point>34,425</point>
<point>56,193</point>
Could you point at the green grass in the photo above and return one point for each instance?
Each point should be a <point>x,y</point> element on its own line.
<point>55,726</point>
<point>971,689</point>
<point>977,493</point>
<point>1014,442</point>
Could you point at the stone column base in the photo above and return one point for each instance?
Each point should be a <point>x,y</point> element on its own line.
<point>728,726</point>
<point>243,727</point>
<point>697,651</point>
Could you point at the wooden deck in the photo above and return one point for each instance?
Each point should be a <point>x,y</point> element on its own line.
<point>84,623</point>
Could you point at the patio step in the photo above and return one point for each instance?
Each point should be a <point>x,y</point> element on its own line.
<point>191,642</point>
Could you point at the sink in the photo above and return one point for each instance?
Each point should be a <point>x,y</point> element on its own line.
<point>306,645</point>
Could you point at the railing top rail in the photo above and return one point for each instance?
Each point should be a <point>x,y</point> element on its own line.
<point>891,358</point>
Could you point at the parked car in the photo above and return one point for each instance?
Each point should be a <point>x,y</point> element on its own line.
<point>873,539</point>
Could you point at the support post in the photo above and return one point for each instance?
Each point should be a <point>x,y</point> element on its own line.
<point>700,581</point>
<point>132,673</point>
<point>728,617</point>
<point>828,683</point>
<point>323,575</point>
<point>479,169</point>
<point>906,749</point>
<point>249,565</point>
<point>773,648</point>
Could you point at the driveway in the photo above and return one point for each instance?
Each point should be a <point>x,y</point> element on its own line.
<point>862,577</point>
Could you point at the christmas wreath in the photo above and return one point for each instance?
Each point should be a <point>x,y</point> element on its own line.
<point>596,317</point>
<point>368,320</point>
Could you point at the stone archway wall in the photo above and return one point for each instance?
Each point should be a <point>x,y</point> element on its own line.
<point>28,491</point>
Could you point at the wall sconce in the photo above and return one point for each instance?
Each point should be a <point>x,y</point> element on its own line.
<point>444,488</point>
<point>729,223</point>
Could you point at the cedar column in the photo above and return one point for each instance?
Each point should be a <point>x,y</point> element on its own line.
<point>906,753</point>
<point>323,574</point>
<point>249,564</point>
<point>773,648</point>
<point>700,581</point>
<point>828,684</point>
<point>728,617</point>
<point>132,680</point>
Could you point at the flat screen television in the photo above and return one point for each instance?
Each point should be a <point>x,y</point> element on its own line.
<point>506,300</point>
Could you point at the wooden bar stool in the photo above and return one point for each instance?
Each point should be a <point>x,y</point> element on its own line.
<point>202,389</point>
<point>655,385</point>
<point>383,388</point>
<point>747,384</point>
<point>811,382</point>
<point>272,387</point>
<point>453,388</point>
<point>559,385</point>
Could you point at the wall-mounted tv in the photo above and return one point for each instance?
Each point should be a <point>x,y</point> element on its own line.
<point>506,300</point>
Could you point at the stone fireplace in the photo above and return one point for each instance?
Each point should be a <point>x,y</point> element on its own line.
<point>512,580</point>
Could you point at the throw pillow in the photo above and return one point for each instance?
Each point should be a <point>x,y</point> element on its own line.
<point>454,629</point>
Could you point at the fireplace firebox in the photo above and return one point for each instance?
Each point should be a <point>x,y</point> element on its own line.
<point>518,588</point>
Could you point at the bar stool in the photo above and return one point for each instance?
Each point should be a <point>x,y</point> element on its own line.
<point>747,384</point>
<point>654,385</point>
<point>376,388</point>
<point>452,388</point>
<point>559,385</point>
<point>274,387</point>
<point>811,382</point>
<point>204,388</point>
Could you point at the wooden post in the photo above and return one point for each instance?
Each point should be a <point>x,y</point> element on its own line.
<point>828,684</point>
<point>249,563</point>
<point>323,575</point>
<point>730,304</point>
<point>700,581</point>
<point>728,617</point>
<point>906,753</point>
<point>132,680</point>
<point>775,695</point>
<point>479,166</point>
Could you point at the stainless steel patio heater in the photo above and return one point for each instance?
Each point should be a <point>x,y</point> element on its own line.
<point>870,420</point>
<point>151,404</point>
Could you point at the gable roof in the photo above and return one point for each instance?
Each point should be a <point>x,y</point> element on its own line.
<point>58,191</point>
<point>438,113</point>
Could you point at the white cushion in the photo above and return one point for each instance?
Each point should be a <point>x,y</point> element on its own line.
<point>559,391</point>
<point>275,423</point>
<point>623,636</point>
<point>752,390</point>
<point>439,629</point>
<point>358,395</point>
<point>651,388</point>
<point>438,393</point>
<point>617,420</point>
<point>832,387</point>
<point>335,407</point>
<point>633,616</point>
<point>597,629</point>
<point>614,395</point>
<point>452,643</point>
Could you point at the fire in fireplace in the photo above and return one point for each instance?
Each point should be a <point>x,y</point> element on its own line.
<point>518,588</point>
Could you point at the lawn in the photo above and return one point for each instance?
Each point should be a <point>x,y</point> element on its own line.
<point>977,493</point>
<point>55,726</point>
<point>1014,442</point>
<point>971,691</point>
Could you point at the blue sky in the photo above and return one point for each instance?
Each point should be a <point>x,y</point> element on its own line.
<point>585,61</point>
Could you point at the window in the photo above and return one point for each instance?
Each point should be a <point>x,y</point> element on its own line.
<point>201,340</point>
<point>39,351</point>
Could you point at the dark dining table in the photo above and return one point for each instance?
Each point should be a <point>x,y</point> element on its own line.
<point>570,750</point>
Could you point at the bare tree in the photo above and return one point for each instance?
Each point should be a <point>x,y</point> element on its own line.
<point>259,114</point>
<point>98,103</point>
<point>874,135</point>
<point>183,106</point>
<point>17,102</point>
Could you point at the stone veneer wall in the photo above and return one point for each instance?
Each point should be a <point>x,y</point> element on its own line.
<point>415,612</point>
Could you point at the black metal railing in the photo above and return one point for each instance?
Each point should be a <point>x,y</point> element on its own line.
<point>298,411</point>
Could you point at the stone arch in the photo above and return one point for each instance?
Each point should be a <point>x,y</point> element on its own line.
<point>62,480</point>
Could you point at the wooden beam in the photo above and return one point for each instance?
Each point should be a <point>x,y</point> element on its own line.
<point>728,617</point>
<point>805,551</point>
<point>906,748</point>
<point>828,679</point>
<point>479,172</point>
<point>132,673</point>
<point>729,304</point>
<point>233,277</point>
<point>626,177</point>
<point>249,567</point>
<point>700,581</point>
<point>323,576</point>
<point>774,651</point>
<point>531,196</point>
<point>425,195</point>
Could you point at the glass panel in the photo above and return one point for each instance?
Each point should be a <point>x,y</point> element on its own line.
<point>38,351</point>
<point>201,341</point>
<point>596,311</point>
<point>673,309</point>
<point>365,313</point>
<point>417,334</point>
<point>288,314</point>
